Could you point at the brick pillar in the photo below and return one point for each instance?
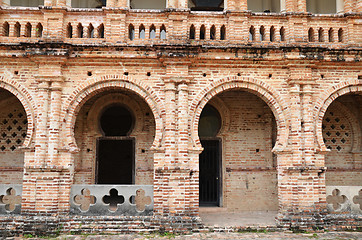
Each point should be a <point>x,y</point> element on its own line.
<point>172,4</point>
<point>53,24</point>
<point>291,5</point>
<point>352,6</point>
<point>301,5</point>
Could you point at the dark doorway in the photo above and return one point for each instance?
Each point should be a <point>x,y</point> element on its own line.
<point>210,179</point>
<point>115,150</point>
<point>115,161</point>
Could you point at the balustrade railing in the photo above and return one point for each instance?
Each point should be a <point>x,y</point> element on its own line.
<point>344,199</point>
<point>10,198</point>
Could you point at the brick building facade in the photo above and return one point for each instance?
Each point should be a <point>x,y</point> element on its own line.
<point>120,117</point>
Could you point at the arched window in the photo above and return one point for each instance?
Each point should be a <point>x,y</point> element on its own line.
<point>39,30</point>
<point>131,32</point>
<point>80,31</point>
<point>17,29</point>
<point>222,32</point>
<point>320,35</point>
<point>90,33</point>
<point>210,122</point>
<point>340,35</point>
<point>28,30</point>
<point>192,32</point>
<point>262,34</point>
<point>311,35</point>
<point>252,34</point>
<point>101,31</point>
<point>163,32</point>
<point>331,35</point>
<point>202,31</point>
<point>142,32</point>
<point>6,29</point>
<point>272,34</point>
<point>69,31</point>
<point>212,32</point>
<point>152,32</point>
<point>282,34</point>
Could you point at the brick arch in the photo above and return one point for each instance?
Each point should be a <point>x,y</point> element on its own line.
<point>259,88</point>
<point>325,101</point>
<point>110,82</point>
<point>26,101</point>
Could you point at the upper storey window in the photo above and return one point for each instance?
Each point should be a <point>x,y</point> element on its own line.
<point>322,6</point>
<point>147,4</point>
<point>88,3</point>
<point>264,5</point>
<point>26,3</point>
<point>206,5</point>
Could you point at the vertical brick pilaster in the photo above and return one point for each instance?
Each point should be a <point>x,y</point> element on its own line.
<point>53,24</point>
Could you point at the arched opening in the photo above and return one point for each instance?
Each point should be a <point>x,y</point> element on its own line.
<point>252,34</point>
<point>322,6</point>
<point>213,32</point>
<point>28,30</point>
<point>90,31</point>
<point>206,5</point>
<point>131,32</point>
<point>26,3</point>
<point>340,35</point>
<point>192,32</point>
<point>223,32</point>
<point>311,35</point>
<point>342,135</point>
<point>282,34</point>
<point>142,32</point>
<point>262,33</point>
<point>163,32</point>
<point>152,32</point>
<point>266,6</point>
<point>39,30</point>
<point>13,131</point>
<point>88,4</point>
<point>17,27</point>
<point>320,35</point>
<point>80,31</point>
<point>202,32</point>
<point>238,173</point>
<point>146,4</point>
<point>272,34</point>
<point>69,31</point>
<point>114,131</point>
<point>101,31</point>
<point>6,29</point>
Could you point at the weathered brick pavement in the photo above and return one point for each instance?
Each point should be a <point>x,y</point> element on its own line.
<point>217,235</point>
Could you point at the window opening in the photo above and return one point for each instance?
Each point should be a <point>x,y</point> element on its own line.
<point>88,4</point>
<point>320,35</point>
<point>142,32</point>
<point>80,31</point>
<point>147,4</point>
<point>266,6</point>
<point>310,35</point>
<point>213,32</point>
<point>272,34</point>
<point>39,30</point>
<point>330,35</point>
<point>26,3</point>
<point>223,33</point>
<point>131,32</point>
<point>340,35</point>
<point>210,122</point>
<point>262,33</point>
<point>202,32</point>
<point>322,6</point>
<point>101,31</point>
<point>90,33</point>
<point>282,34</point>
<point>69,31</point>
<point>252,34</point>
<point>192,32</point>
<point>152,32</point>
<point>163,32</point>
<point>116,121</point>
<point>206,5</point>
<point>17,29</point>
<point>6,29</point>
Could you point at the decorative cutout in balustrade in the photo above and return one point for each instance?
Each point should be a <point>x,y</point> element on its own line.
<point>10,198</point>
<point>127,200</point>
<point>344,199</point>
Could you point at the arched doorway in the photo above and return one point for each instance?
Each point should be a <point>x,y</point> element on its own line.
<point>238,129</point>
<point>114,131</point>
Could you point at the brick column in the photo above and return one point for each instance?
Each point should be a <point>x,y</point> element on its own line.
<point>301,5</point>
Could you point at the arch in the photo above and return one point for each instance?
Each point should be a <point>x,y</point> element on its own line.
<point>202,32</point>
<point>252,34</point>
<point>282,34</point>
<point>331,35</point>
<point>17,28</point>
<point>311,35</point>
<point>91,88</point>
<point>259,88</point>
<point>26,100</point>
<point>100,31</point>
<point>272,34</point>
<point>69,30</point>
<point>131,32</point>
<point>90,32</point>
<point>262,34</point>
<point>6,29</point>
<point>326,99</point>
<point>192,33</point>
<point>320,35</point>
<point>28,28</point>
<point>213,32</point>
<point>79,31</point>
<point>152,34</point>
<point>340,35</point>
<point>163,32</point>
<point>39,30</point>
<point>142,32</point>
<point>223,32</point>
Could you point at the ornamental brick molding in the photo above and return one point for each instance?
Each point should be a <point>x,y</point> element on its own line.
<point>10,199</point>
<point>142,200</point>
<point>358,199</point>
<point>85,199</point>
<point>336,199</point>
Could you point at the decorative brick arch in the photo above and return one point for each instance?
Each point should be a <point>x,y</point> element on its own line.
<point>110,82</point>
<point>259,88</point>
<point>325,101</point>
<point>26,101</point>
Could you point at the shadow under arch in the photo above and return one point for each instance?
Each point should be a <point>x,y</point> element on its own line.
<point>110,82</point>
<point>259,88</point>
<point>325,101</point>
<point>26,101</point>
